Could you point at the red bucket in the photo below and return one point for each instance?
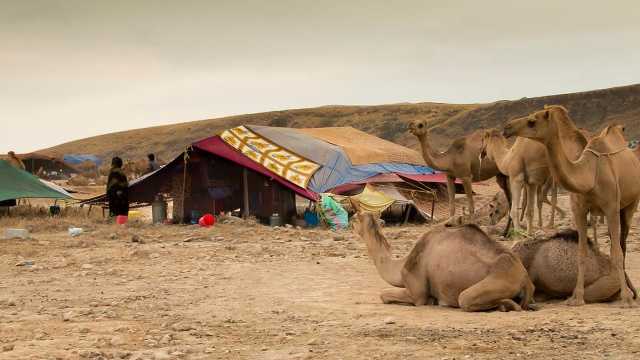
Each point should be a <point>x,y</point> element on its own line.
<point>207,220</point>
<point>121,219</point>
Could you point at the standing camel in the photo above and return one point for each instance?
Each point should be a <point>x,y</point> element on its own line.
<point>603,181</point>
<point>461,160</point>
<point>526,165</point>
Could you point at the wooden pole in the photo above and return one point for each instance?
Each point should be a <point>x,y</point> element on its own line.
<point>245,193</point>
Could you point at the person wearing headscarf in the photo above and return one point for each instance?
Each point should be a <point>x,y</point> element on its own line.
<point>117,189</point>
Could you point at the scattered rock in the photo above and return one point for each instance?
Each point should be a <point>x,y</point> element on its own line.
<point>67,316</point>
<point>84,330</point>
<point>113,236</point>
<point>136,239</point>
<point>117,341</point>
<point>154,255</point>
<point>313,342</point>
<point>161,355</point>
<point>389,320</point>
<point>87,266</point>
<point>338,238</point>
<point>8,347</point>
<point>182,327</point>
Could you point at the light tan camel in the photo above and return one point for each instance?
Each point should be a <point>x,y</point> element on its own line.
<point>461,160</point>
<point>483,275</point>
<point>603,181</point>
<point>15,161</point>
<point>551,264</point>
<point>526,165</point>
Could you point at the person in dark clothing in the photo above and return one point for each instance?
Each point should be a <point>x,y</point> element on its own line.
<point>117,189</point>
<point>153,165</point>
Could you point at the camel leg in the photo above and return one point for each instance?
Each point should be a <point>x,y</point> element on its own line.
<point>451,190</point>
<point>594,226</point>
<point>554,204</point>
<point>626,217</point>
<point>539,203</point>
<point>396,296</point>
<point>417,287</point>
<point>580,219</point>
<point>516,192</point>
<point>468,189</point>
<point>531,199</point>
<point>503,183</point>
<point>602,289</point>
<point>496,290</point>
<point>617,256</point>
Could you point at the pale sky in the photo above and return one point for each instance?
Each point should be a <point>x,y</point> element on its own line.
<point>72,69</point>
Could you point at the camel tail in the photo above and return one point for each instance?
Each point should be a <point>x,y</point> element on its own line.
<point>528,291</point>
<point>630,285</point>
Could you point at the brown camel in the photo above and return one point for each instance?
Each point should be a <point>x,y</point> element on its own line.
<point>603,181</point>
<point>526,165</point>
<point>15,161</point>
<point>461,160</point>
<point>482,276</point>
<point>551,264</point>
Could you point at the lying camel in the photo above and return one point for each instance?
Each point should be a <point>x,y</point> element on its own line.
<point>603,180</point>
<point>461,160</point>
<point>526,165</point>
<point>483,275</point>
<point>551,264</point>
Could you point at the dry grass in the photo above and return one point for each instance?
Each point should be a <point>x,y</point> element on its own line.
<point>37,219</point>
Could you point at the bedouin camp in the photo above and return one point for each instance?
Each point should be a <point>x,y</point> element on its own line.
<point>260,170</point>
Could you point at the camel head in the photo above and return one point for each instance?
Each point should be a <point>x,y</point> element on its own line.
<point>11,153</point>
<point>535,126</point>
<point>366,225</point>
<point>490,140</point>
<point>418,127</point>
<point>498,208</point>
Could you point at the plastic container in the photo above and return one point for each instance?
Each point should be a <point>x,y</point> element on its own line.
<point>75,231</point>
<point>121,219</point>
<point>207,220</point>
<point>159,210</point>
<point>275,220</point>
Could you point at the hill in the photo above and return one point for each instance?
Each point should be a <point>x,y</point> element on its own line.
<point>591,110</point>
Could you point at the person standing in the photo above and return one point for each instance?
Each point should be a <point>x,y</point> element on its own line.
<point>117,189</point>
<point>153,165</point>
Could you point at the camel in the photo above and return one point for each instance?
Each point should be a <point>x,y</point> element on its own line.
<point>15,161</point>
<point>551,264</point>
<point>461,160</point>
<point>482,276</point>
<point>602,180</point>
<point>525,164</point>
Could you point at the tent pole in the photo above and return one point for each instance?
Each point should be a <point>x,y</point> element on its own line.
<point>245,193</point>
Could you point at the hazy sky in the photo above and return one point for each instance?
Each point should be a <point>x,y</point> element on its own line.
<point>71,69</point>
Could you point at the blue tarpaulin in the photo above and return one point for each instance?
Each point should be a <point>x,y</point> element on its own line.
<point>336,167</point>
<point>75,159</point>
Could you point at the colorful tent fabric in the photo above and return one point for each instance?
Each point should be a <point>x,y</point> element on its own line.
<point>337,168</point>
<point>333,214</point>
<point>277,159</point>
<point>19,184</point>
<point>371,200</point>
<point>216,146</point>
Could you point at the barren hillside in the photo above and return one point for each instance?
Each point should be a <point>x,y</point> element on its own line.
<point>590,109</point>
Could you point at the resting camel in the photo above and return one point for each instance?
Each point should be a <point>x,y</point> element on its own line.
<point>483,275</point>
<point>461,160</point>
<point>551,264</point>
<point>525,163</point>
<point>603,181</point>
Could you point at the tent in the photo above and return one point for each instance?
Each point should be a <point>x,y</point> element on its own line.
<point>19,184</point>
<point>77,159</point>
<point>259,169</point>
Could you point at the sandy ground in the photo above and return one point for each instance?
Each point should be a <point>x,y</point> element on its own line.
<point>245,291</point>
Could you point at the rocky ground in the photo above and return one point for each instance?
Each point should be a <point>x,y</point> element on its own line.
<point>246,291</point>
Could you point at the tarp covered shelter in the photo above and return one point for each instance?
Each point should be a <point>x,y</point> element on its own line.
<point>77,159</point>
<point>35,162</point>
<point>259,169</point>
<point>19,184</point>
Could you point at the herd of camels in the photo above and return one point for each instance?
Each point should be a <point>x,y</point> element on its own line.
<point>600,173</point>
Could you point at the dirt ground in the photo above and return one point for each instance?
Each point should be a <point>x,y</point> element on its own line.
<point>246,291</point>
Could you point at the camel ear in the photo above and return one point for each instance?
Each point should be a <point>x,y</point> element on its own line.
<point>546,114</point>
<point>356,205</point>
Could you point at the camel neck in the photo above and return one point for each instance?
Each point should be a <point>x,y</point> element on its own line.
<point>434,159</point>
<point>501,155</point>
<point>576,176</point>
<point>389,269</point>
